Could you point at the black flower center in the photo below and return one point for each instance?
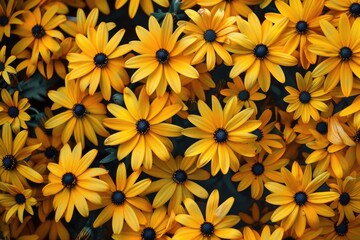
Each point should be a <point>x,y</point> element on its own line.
<point>148,234</point>
<point>220,135</point>
<point>13,112</point>
<point>345,53</point>
<point>4,20</point>
<point>304,97</point>
<point>342,228</point>
<point>244,95</point>
<point>9,162</point>
<point>50,152</point>
<point>321,127</point>
<point>258,133</point>
<point>142,126</point>
<point>162,55</point>
<point>179,176</point>
<point>210,35</point>
<point>301,27</point>
<point>207,229</point>
<point>68,180</point>
<point>300,198</point>
<point>38,31</point>
<point>355,10</point>
<point>20,198</point>
<point>2,66</point>
<point>260,51</point>
<point>344,199</point>
<point>357,137</point>
<point>100,60</point>
<point>79,110</point>
<point>118,198</point>
<point>258,169</point>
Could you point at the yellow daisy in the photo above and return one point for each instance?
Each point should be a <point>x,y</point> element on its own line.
<point>222,133</point>
<point>141,130</point>
<point>350,7</point>
<point>216,224</point>
<point>258,52</point>
<point>308,99</point>
<point>83,115</point>
<point>8,17</point>
<point>162,54</point>
<point>13,167</point>
<point>5,68</point>
<point>122,202</point>
<point>146,5</point>
<point>16,199</point>
<point>231,8</point>
<point>341,51</point>
<point>259,170</point>
<point>309,234</point>
<point>176,181</point>
<point>14,110</point>
<point>73,182</point>
<point>210,30</point>
<point>100,61</point>
<point>299,203</point>
<point>346,230</point>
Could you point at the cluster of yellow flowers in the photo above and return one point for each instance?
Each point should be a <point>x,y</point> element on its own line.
<point>209,110</point>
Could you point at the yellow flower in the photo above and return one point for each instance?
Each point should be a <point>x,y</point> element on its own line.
<point>350,7</point>
<point>146,5</point>
<point>298,202</point>
<point>8,17</point>
<point>216,224</point>
<point>222,132</point>
<point>176,181</point>
<point>161,56</point>
<point>346,230</point>
<point>16,199</point>
<point>141,130</point>
<point>308,99</point>
<point>82,117</point>
<point>309,234</point>
<point>103,6</point>
<point>100,61</point>
<point>259,170</point>
<point>258,219</point>
<point>14,110</point>
<point>5,68</point>
<point>258,52</point>
<point>13,168</point>
<point>210,30</point>
<point>341,50</point>
<point>73,182</point>
<point>122,202</point>
<point>231,8</point>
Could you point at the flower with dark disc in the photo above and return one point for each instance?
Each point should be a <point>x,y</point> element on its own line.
<point>355,9</point>
<point>342,228</point>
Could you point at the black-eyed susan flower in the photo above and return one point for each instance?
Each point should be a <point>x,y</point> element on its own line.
<point>73,183</point>
<point>350,7</point>
<point>308,99</point>
<point>8,17</point>
<point>83,115</point>
<point>210,30</point>
<point>258,219</point>
<point>257,51</point>
<point>340,49</point>
<point>17,230</point>
<point>259,170</point>
<point>15,198</point>
<point>161,56</point>
<point>146,5</point>
<point>231,8</point>
<point>176,181</point>
<point>121,201</point>
<point>346,230</point>
<point>14,110</point>
<point>298,202</point>
<point>157,223</point>
<point>38,33</point>
<point>5,68</point>
<point>309,234</point>
<point>304,20</point>
<point>13,152</point>
<point>348,203</point>
<point>100,61</point>
<point>246,96</point>
<point>216,223</point>
<point>141,128</point>
<point>222,133</point>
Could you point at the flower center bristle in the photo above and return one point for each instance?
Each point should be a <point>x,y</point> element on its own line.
<point>207,229</point>
<point>210,35</point>
<point>38,31</point>
<point>50,152</point>
<point>301,27</point>
<point>355,10</point>
<point>244,95</point>
<point>162,55</point>
<point>258,133</point>
<point>68,180</point>
<point>142,126</point>
<point>300,198</point>
<point>258,169</point>
<point>342,228</point>
<point>179,176</point>
<point>321,127</point>
<point>344,198</point>
<point>304,97</point>
<point>100,60</point>
<point>9,162</point>
<point>13,112</point>
<point>4,20</point>
<point>260,51</point>
<point>345,53</point>
<point>79,110</point>
<point>118,198</point>
<point>220,135</point>
<point>148,234</point>
<point>20,198</point>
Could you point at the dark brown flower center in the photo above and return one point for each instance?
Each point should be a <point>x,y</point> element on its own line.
<point>100,60</point>
<point>79,110</point>
<point>20,198</point>
<point>345,53</point>
<point>300,198</point>
<point>355,10</point>
<point>9,162</point>
<point>179,176</point>
<point>207,229</point>
<point>148,234</point>
<point>344,198</point>
<point>142,126</point>
<point>261,51</point>
<point>68,180</point>
<point>13,112</point>
<point>258,169</point>
<point>118,197</point>
<point>304,97</point>
<point>301,27</point>
<point>210,35</point>
<point>220,135</point>
<point>38,31</point>
<point>342,228</point>
<point>162,55</point>
<point>50,152</point>
<point>4,20</point>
